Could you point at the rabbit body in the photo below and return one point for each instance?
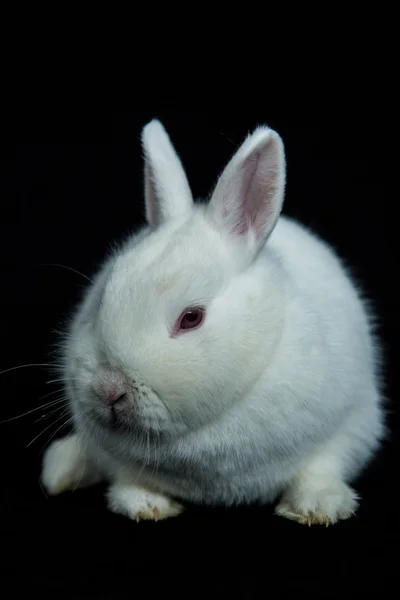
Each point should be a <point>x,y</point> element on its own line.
<point>273,394</point>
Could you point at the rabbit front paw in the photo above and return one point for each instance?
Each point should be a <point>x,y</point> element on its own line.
<point>141,504</point>
<point>317,502</point>
<point>66,467</point>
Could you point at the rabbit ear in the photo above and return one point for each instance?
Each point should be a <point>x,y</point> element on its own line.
<point>248,197</point>
<point>167,191</point>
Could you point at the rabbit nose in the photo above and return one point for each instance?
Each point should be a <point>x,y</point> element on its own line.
<point>110,386</point>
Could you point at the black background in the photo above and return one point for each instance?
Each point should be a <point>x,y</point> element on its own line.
<point>69,187</point>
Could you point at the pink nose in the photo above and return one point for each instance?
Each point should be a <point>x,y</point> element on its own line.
<point>110,386</point>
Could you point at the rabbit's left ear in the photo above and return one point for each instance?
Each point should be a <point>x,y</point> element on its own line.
<point>248,197</point>
<point>167,191</point>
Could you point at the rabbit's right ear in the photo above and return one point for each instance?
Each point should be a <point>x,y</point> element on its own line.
<point>167,191</point>
<point>248,197</point>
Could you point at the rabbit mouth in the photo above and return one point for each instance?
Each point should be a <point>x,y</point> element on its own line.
<point>131,413</point>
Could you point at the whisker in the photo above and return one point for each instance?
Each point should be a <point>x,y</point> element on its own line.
<point>68,269</point>
<point>43,490</point>
<point>25,366</point>
<point>28,412</point>
<point>58,429</point>
<point>61,380</point>
<point>157,446</point>
<point>145,462</point>
<point>46,416</point>
<point>50,394</point>
<point>48,427</point>
<point>83,452</point>
<point>147,458</point>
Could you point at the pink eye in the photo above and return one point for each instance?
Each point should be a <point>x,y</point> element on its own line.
<point>191,318</point>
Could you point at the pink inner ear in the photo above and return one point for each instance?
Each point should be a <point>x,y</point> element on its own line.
<point>248,171</point>
<point>150,195</point>
<point>250,194</point>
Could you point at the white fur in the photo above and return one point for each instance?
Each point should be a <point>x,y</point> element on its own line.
<point>140,504</point>
<point>275,394</point>
<point>167,192</point>
<point>66,466</point>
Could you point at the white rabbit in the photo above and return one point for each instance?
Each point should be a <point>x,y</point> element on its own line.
<point>222,355</point>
